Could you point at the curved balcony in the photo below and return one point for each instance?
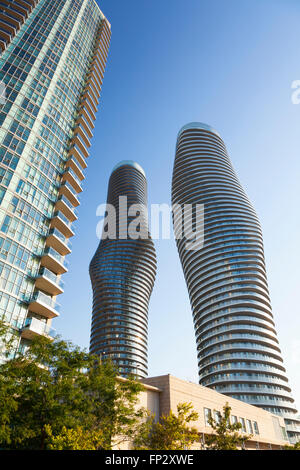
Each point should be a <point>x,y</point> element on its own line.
<point>42,304</point>
<point>49,282</point>
<point>88,110</point>
<point>80,130</point>
<point>93,102</point>
<point>52,260</point>
<point>74,165</point>
<point>2,43</point>
<point>61,222</point>
<point>256,391</point>
<point>265,401</point>
<point>5,26</point>
<point>65,206</point>
<point>293,427</point>
<point>71,177</point>
<point>14,13</point>
<point>293,438</point>
<point>246,378</point>
<point>92,83</point>
<point>33,328</point>
<point>88,126</point>
<point>11,17</point>
<point>67,190</point>
<point>5,37</point>
<point>89,118</point>
<point>59,242</point>
<point>78,155</point>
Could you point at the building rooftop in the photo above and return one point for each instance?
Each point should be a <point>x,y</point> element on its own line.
<point>129,163</point>
<point>198,125</point>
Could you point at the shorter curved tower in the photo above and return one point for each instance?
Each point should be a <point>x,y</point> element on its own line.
<point>122,273</point>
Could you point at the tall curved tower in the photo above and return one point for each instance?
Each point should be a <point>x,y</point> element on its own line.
<point>238,350</point>
<point>122,274</point>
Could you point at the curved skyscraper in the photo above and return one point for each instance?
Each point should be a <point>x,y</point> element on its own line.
<point>122,273</point>
<point>238,349</point>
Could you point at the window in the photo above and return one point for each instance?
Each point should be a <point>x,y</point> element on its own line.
<point>234,419</point>
<point>242,421</point>
<point>249,427</point>
<point>217,416</point>
<point>207,416</point>
<point>284,434</point>
<point>255,426</point>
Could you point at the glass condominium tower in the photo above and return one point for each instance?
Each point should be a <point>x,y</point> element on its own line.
<point>238,349</point>
<point>52,61</point>
<point>122,273</point>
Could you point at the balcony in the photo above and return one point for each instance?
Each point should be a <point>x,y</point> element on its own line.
<point>86,105</point>
<point>293,427</point>
<point>87,126</point>
<point>78,155</point>
<point>94,79</point>
<point>5,35</point>
<point>49,282</point>
<point>80,130</point>
<point>42,304</point>
<point>88,117</point>
<point>71,177</point>
<point>7,18</point>
<point>7,27</point>
<point>52,260</point>
<point>91,83</point>
<point>93,102</point>
<point>67,190</point>
<point>64,205</point>
<point>97,69</point>
<point>59,242</point>
<point>61,222</point>
<point>15,13</point>
<point>74,165</point>
<point>33,328</point>
<point>77,140</point>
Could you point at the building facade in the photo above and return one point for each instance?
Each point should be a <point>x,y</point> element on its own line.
<point>162,394</point>
<point>52,66</point>
<point>238,349</point>
<point>122,273</point>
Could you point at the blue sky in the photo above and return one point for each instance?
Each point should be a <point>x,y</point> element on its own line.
<point>229,64</point>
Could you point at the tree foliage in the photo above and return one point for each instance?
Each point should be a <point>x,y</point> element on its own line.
<point>76,438</point>
<point>226,435</point>
<point>55,394</point>
<point>172,432</point>
<point>293,447</point>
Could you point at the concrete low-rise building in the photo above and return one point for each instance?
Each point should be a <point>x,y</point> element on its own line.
<point>162,394</point>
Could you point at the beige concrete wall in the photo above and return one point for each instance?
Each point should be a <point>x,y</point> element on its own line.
<point>174,391</point>
<point>149,400</point>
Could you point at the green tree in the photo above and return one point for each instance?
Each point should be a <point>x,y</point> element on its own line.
<point>8,404</point>
<point>226,436</point>
<point>293,447</point>
<point>75,439</point>
<point>172,432</point>
<point>54,388</point>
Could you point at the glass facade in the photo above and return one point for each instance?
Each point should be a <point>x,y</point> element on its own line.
<point>238,349</point>
<point>122,273</point>
<point>52,68</point>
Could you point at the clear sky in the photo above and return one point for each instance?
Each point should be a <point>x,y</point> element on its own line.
<point>226,63</point>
